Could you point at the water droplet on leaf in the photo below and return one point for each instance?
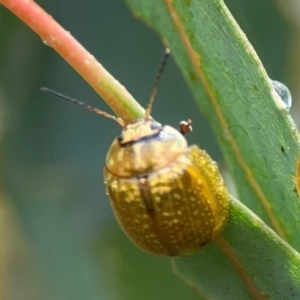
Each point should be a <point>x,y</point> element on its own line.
<point>284,93</point>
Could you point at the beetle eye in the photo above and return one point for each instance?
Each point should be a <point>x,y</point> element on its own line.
<point>120,138</point>
<point>155,125</point>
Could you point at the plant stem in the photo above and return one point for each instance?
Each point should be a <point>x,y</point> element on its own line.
<point>53,35</point>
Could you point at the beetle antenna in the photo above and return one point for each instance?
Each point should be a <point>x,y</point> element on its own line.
<point>156,83</point>
<point>88,107</point>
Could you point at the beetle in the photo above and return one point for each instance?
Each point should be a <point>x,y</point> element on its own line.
<point>170,199</point>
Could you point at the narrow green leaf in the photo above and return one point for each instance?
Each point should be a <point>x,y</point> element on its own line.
<point>255,132</point>
<point>249,261</point>
<point>259,142</point>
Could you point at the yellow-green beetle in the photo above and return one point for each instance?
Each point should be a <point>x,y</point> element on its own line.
<point>170,199</point>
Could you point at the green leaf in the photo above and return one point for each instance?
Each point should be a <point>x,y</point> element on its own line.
<point>248,260</point>
<point>258,139</point>
<point>256,134</point>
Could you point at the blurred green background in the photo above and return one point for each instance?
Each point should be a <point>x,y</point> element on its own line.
<point>58,236</point>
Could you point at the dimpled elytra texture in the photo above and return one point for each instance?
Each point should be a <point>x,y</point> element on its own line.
<point>175,208</point>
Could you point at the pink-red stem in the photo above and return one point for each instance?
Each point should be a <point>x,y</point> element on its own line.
<point>52,34</point>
